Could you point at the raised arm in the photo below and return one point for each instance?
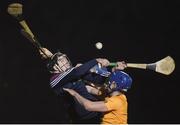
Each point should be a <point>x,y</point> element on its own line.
<point>75,73</point>
<point>82,69</point>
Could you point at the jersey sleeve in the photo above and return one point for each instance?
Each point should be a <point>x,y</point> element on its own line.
<point>94,78</point>
<point>72,75</point>
<point>83,69</point>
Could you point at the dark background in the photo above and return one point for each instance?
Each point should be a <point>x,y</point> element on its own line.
<point>131,30</point>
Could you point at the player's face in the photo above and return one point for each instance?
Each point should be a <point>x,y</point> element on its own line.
<point>63,64</point>
<point>111,86</point>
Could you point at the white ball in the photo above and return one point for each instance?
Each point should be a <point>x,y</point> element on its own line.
<point>99,45</point>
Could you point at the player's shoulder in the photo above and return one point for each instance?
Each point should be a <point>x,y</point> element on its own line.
<point>119,99</point>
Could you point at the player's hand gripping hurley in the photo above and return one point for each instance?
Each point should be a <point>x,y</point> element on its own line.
<point>16,10</point>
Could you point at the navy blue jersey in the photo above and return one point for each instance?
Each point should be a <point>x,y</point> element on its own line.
<point>74,74</point>
<point>70,79</point>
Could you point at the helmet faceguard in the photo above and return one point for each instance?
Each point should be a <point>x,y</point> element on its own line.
<point>121,79</point>
<point>59,62</point>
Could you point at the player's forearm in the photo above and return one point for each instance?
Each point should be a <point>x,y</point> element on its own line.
<point>93,90</point>
<point>83,69</point>
<point>83,101</point>
<point>97,106</point>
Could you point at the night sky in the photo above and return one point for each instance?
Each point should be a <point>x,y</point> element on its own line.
<point>138,31</point>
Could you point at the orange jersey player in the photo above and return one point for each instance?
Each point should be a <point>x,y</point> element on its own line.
<point>115,105</point>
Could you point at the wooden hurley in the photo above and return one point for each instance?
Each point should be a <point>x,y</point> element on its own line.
<point>165,66</point>
<point>16,10</point>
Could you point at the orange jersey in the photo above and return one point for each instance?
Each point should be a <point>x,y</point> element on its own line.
<point>117,110</point>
